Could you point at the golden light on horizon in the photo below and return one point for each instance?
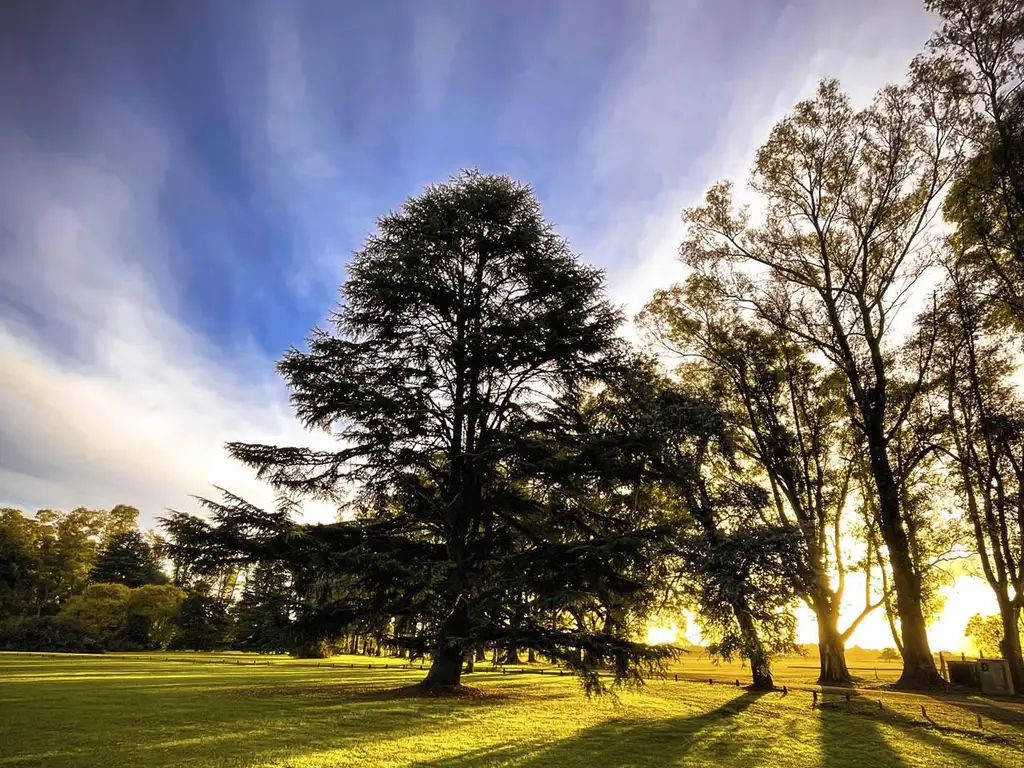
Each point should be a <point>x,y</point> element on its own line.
<point>966,596</point>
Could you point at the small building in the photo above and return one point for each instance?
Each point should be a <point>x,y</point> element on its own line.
<point>995,677</point>
<point>990,676</point>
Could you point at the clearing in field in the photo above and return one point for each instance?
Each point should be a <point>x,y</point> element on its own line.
<point>224,710</point>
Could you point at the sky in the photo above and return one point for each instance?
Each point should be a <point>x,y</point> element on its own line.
<point>182,184</point>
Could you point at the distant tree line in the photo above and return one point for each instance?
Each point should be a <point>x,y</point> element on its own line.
<point>89,581</point>
<point>829,391</point>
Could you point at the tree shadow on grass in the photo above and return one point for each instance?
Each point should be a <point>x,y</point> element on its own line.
<point>848,737</point>
<point>993,710</point>
<point>929,733</point>
<point>852,734</point>
<point>620,743</point>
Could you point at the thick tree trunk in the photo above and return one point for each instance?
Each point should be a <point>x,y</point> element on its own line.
<point>446,668</point>
<point>760,665</point>
<point>531,657</point>
<point>919,670</point>
<point>512,655</point>
<point>470,664</point>
<point>831,646</point>
<point>1010,645</point>
<point>480,654</point>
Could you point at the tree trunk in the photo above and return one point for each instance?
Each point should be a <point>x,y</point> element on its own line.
<point>446,668</point>
<point>470,665</point>
<point>1010,645</point>
<point>512,654</point>
<point>760,666</point>
<point>919,670</point>
<point>531,657</point>
<point>832,667</point>
<point>480,656</point>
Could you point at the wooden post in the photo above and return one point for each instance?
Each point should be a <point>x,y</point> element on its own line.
<point>979,719</point>
<point>924,714</point>
<point>847,696</point>
<point>815,702</point>
<point>879,703</point>
<point>710,681</point>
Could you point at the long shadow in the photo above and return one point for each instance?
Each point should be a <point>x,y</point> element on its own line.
<point>618,743</point>
<point>212,727</point>
<point>850,738</point>
<point>930,736</point>
<point>852,735</point>
<point>993,710</point>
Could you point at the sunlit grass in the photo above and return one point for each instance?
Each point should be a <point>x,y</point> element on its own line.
<point>155,711</point>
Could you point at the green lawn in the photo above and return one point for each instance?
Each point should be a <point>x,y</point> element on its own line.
<point>166,711</point>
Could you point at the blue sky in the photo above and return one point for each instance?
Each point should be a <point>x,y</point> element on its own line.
<point>182,184</point>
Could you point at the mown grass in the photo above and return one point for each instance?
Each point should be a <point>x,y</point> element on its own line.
<point>159,711</point>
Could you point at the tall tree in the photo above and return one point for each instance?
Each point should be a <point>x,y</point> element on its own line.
<point>453,374</point>
<point>738,570</point>
<point>69,543</point>
<point>263,614</point>
<point>19,563</point>
<point>978,55</point>
<point>787,416</point>
<point>127,559</point>
<point>848,199</point>
<point>985,444</point>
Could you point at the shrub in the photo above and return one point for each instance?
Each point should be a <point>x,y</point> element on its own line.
<point>49,633</point>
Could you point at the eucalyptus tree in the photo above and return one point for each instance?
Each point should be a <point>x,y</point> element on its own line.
<point>788,417</point>
<point>846,199</point>
<point>977,54</point>
<point>984,442</point>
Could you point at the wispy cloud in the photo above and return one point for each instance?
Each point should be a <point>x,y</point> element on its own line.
<point>105,395</point>
<point>150,244</point>
<point>698,99</point>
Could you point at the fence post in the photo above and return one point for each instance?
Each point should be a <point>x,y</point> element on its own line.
<point>815,702</point>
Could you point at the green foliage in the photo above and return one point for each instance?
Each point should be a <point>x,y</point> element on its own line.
<point>128,559</point>
<point>159,605</point>
<point>456,374</point>
<point>100,607</point>
<point>889,654</point>
<point>976,55</point>
<point>986,632</point>
<point>49,633</point>
<point>263,614</point>
<point>202,623</point>
<point>19,563</point>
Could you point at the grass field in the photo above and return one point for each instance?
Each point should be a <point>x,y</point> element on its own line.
<point>170,710</point>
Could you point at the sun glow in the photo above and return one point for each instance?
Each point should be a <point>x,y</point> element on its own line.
<point>966,596</point>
